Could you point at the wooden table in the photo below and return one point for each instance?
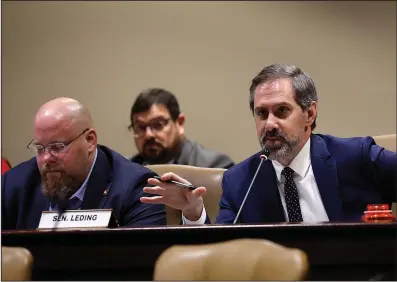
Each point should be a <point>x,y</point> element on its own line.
<point>345,251</point>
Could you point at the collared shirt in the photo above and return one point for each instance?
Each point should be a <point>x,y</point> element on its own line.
<point>312,207</point>
<point>78,196</point>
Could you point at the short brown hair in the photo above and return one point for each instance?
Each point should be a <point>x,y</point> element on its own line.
<point>302,84</point>
<point>149,97</point>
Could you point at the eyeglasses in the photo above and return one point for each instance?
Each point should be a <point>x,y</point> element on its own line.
<point>53,148</point>
<point>156,127</point>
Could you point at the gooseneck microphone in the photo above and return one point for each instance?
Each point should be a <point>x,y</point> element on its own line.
<point>62,208</point>
<point>263,156</point>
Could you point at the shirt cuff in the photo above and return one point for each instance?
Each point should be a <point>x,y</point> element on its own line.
<point>201,220</point>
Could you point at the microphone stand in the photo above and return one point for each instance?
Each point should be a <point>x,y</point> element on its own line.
<point>263,158</point>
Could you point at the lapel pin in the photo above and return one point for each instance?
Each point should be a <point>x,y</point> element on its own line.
<point>105,193</point>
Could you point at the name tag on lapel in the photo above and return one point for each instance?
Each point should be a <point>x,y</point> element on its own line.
<point>78,219</point>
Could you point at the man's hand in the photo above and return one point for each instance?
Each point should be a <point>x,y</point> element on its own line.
<point>190,202</point>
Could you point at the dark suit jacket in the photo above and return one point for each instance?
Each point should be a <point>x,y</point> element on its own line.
<point>194,154</point>
<point>350,173</point>
<point>23,202</point>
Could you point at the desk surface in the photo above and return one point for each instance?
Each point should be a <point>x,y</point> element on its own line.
<point>341,251</point>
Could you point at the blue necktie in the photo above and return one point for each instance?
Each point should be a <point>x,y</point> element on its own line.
<point>74,204</point>
<point>291,196</point>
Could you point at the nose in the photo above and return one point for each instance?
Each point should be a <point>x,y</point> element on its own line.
<point>47,156</point>
<point>271,123</point>
<point>148,132</point>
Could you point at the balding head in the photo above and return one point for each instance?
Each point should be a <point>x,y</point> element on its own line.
<point>63,112</point>
<point>64,123</point>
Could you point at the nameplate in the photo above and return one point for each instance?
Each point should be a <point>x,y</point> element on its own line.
<point>77,219</point>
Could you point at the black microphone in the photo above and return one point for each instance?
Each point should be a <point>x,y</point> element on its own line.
<point>62,208</point>
<point>263,156</point>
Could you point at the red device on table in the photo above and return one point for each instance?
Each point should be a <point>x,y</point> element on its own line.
<point>378,213</point>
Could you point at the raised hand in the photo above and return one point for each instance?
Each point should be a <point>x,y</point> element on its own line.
<point>190,202</point>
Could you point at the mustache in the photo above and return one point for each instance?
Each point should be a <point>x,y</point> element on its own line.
<point>151,142</point>
<point>273,134</point>
<point>46,168</point>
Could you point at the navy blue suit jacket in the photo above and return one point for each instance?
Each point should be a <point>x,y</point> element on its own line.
<point>350,173</point>
<point>23,202</point>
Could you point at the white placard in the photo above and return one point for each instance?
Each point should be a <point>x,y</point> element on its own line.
<point>75,219</point>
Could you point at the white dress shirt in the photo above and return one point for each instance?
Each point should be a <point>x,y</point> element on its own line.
<point>312,207</point>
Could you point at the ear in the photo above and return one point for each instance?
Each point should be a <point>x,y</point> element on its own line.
<point>91,139</point>
<point>311,114</point>
<point>180,121</point>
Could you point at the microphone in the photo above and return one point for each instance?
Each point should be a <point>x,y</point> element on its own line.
<point>263,157</point>
<point>62,207</point>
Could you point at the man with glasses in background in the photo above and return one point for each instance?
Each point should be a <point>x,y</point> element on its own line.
<point>158,128</point>
<point>70,171</point>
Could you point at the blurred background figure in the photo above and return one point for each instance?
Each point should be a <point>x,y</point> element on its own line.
<point>158,127</point>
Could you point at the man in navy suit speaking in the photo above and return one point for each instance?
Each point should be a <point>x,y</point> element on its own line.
<point>307,177</point>
<point>71,171</point>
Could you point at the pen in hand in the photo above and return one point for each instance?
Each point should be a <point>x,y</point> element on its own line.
<point>180,184</point>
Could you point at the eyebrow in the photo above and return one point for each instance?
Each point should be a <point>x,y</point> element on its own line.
<point>154,119</point>
<point>54,142</point>
<point>274,106</point>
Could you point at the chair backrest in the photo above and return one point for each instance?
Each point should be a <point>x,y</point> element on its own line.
<point>16,264</point>
<point>386,141</point>
<point>210,178</point>
<point>240,259</point>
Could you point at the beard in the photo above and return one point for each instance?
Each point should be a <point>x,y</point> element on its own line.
<point>281,149</point>
<point>155,153</point>
<point>57,185</point>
